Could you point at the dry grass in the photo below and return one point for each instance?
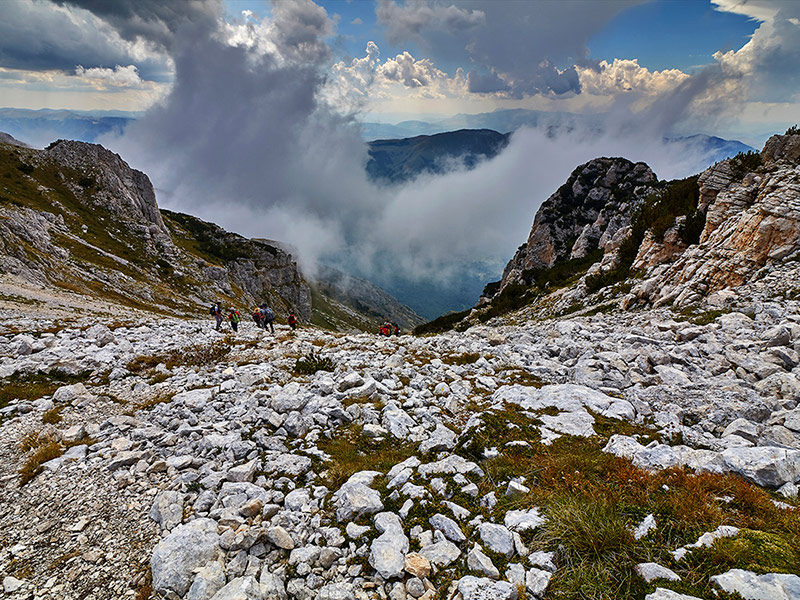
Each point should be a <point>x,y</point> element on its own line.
<point>33,464</point>
<point>461,359</point>
<point>593,500</point>
<point>197,355</point>
<point>52,416</point>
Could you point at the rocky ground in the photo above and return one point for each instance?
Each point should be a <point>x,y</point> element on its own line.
<point>626,455</point>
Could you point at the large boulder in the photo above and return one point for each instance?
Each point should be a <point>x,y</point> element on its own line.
<point>767,466</point>
<point>177,556</point>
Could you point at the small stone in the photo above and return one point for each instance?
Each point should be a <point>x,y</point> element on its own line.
<point>417,565</point>
<point>11,584</point>
<point>651,571</point>
<point>280,538</point>
<point>497,538</point>
<point>480,563</point>
<point>448,527</point>
<point>251,508</point>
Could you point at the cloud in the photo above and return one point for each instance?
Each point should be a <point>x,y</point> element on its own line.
<point>40,36</point>
<point>116,77</point>
<point>520,42</point>
<point>767,63</point>
<point>418,17</point>
<point>155,21</point>
<point>351,85</point>
<point>626,75</point>
<point>412,73</point>
<point>357,21</point>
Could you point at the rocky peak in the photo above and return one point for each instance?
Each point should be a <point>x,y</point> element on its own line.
<point>781,149</point>
<point>585,214</point>
<point>752,223</point>
<point>109,181</point>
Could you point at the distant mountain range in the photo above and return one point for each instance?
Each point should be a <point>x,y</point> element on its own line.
<point>40,127</point>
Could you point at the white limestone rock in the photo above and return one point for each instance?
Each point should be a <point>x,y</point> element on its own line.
<point>186,548</point>
<point>497,538</point>
<point>771,586</point>
<point>651,571</point>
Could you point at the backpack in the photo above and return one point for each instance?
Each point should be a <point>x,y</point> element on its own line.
<point>213,310</point>
<point>269,315</point>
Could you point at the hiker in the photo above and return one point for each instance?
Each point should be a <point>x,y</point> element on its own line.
<point>257,317</point>
<point>267,317</point>
<point>234,317</point>
<point>216,312</point>
<point>292,320</point>
<point>385,329</point>
<point>395,328</point>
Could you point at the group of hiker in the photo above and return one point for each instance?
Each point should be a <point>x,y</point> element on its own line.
<point>263,316</point>
<point>389,328</point>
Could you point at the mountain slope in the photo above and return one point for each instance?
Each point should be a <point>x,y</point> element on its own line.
<point>76,216</point>
<point>400,160</point>
<point>357,301</point>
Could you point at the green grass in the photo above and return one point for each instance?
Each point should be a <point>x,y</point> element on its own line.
<point>351,451</point>
<point>35,385</point>
<point>313,362</point>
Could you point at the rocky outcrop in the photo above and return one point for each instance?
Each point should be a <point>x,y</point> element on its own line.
<point>590,211</point>
<point>752,223</point>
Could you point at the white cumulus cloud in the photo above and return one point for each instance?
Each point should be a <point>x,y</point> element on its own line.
<point>116,77</point>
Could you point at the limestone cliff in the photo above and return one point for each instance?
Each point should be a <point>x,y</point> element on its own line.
<point>589,212</point>
<point>752,224</point>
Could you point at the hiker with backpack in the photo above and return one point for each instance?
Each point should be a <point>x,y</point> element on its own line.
<point>257,318</point>
<point>234,317</point>
<point>216,312</point>
<point>267,317</point>
<point>292,320</point>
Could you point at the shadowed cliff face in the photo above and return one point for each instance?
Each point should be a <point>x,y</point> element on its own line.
<point>76,216</point>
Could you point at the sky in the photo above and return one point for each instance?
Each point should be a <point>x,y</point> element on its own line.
<point>250,110</point>
<point>390,60</point>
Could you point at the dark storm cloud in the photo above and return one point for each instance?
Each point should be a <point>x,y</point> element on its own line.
<point>485,83</point>
<point>36,36</point>
<point>242,139</point>
<point>520,40</point>
<point>153,20</point>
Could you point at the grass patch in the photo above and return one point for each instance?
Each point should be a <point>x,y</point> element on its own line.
<point>352,451</point>
<point>32,466</point>
<point>32,386</point>
<point>313,362</point>
<point>461,359</point>
<point>593,500</point>
<point>198,355</point>
<point>52,416</point>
